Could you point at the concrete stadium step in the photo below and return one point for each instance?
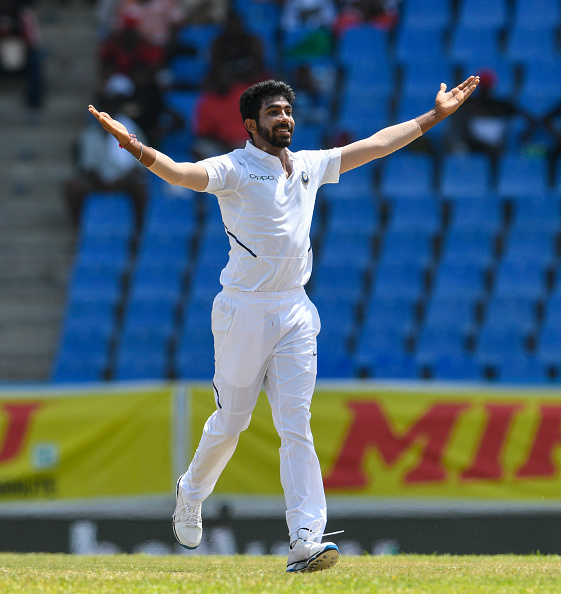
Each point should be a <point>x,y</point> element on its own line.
<point>51,269</point>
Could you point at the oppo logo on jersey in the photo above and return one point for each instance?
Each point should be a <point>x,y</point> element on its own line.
<point>261,177</point>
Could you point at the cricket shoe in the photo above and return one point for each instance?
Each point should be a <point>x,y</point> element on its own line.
<point>307,555</point>
<point>187,521</point>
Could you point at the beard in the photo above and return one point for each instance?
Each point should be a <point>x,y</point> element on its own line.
<point>274,140</point>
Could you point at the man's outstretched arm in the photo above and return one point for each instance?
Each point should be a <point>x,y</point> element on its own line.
<point>392,138</point>
<point>188,175</point>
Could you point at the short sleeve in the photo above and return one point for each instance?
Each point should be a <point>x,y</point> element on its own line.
<point>222,175</point>
<point>327,164</point>
<point>332,168</point>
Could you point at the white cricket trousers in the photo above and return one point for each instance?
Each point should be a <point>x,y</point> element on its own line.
<point>264,339</point>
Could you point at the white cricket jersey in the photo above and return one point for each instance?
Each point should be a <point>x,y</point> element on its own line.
<point>268,216</point>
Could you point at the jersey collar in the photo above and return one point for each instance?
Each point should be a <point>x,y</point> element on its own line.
<point>251,148</point>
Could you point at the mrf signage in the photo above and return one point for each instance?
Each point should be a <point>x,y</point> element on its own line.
<point>503,445</point>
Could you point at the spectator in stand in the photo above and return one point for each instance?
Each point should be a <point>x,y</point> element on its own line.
<point>206,11</point>
<point>381,13</point>
<point>239,51</point>
<point>157,22</point>
<point>307,14</point>
<point>482,127</point>
<point>124,49</point>
<point>100,164</point>
<point>217,124</point>
<point>20,48</point>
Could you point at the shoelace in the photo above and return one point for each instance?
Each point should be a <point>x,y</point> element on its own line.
<point>312,533</point>
<point>189,514</point>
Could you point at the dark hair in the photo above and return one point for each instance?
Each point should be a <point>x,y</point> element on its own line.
<point>252,98</point>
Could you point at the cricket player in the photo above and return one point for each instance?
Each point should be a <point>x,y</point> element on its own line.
<point>263,323</point>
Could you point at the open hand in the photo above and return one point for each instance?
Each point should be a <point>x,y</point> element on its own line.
<point>448,101</point>
<point>112,126</point>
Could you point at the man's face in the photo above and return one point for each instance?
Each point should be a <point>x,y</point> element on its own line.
<point>276,124</point>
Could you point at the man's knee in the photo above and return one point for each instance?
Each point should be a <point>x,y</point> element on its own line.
<point>232,424</point>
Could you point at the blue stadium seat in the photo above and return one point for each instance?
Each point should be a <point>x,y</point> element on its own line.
<point>88,345</point>
<point>130,366</point>
<point>183,103</point>
<point>460,280</point>
<point>421,215</point>
<point>334,363</point>
<point>520,279</point>
<point>436,341</point>
<point>205,280</point>
<point>85,314</point>
<point>347,248</point>
<point>433,15</point>
<point>359,215</point>
<point>458,368</point>
<point>361,43</point>
<point>471,44</point>
<point>537,13</point>
<point>170,216</point>
<point>393,366</point>
<point>362,114</point>
<point>93,283</point>
<point>478,215</point>
<point>340,281</point>
<point>521,369</point>
<point>422,80</point>
<point>407,51</point>
<point>408,248</point>
<point>450,312</point>
<point>537,214</point>
<point>337,315</point>
<point>466,177</point>
<point>483,14</point>
<point>511,312</point>
<point>73,368</point>
<point>157,282</point>
<point>389,313</point>
<point>473,247</point>
<point>496,343</point>
<point>194,358</point>
<point>189,70</point>
<point>552,315</point>
<point>168,251</point>
<point>541,79</point>
<point>399,280</point>
<point>199,37</point>
<point>353,184</point>
<point>522,176</point>
<point>549,345</point>
<point>113,252</point>
<point>530,246</point>
<point>374,79</point>
<point>407,175</point>
<point>529,44</point>
<point>149,315</point>
<point>372,344</point>
<point>107,214</point>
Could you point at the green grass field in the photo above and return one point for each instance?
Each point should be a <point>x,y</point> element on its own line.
<point>132,574</point>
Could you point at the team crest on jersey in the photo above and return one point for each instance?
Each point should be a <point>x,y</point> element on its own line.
<point>305,178</point>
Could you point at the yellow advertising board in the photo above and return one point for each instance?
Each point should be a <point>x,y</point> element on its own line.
<point>405,442</point>
<point>85,444</point>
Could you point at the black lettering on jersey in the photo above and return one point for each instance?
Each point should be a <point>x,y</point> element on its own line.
<point>261,177</point>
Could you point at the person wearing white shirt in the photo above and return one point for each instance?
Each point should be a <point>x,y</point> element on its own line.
<point>264,325</point>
